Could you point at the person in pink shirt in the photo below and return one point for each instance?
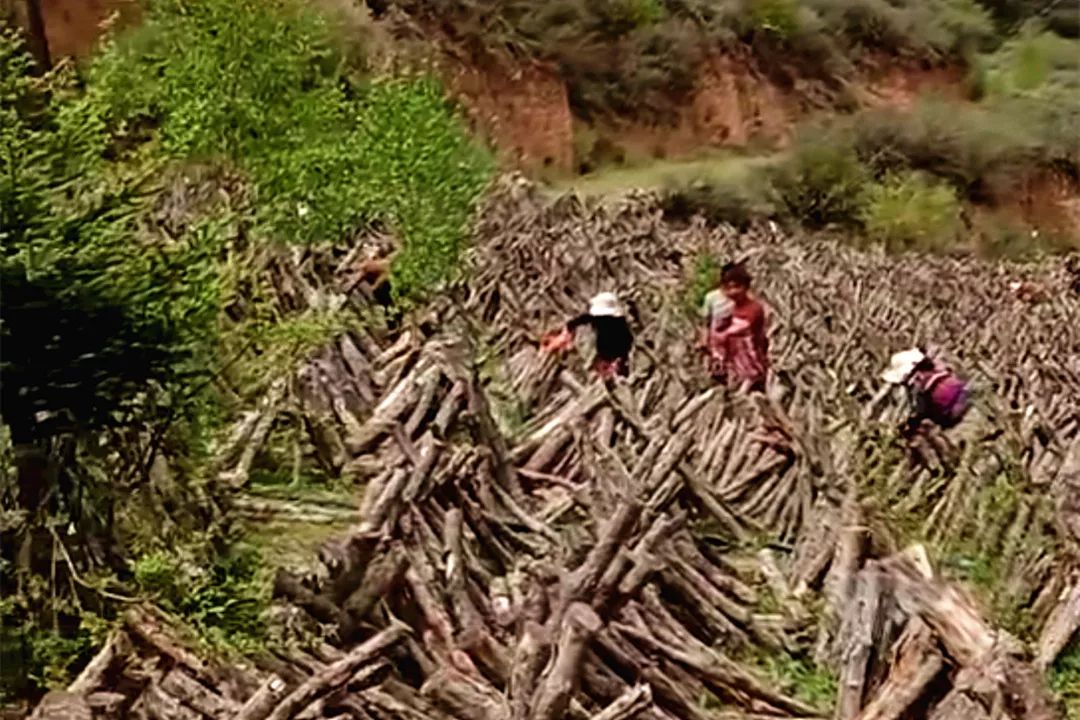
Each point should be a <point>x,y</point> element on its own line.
<point>736,337</point>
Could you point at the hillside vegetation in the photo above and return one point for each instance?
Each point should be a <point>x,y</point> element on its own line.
<point>947,171</point>
<point>223,462</point>
<point>145,201</point>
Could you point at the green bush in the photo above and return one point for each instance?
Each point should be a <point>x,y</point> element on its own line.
<point>821,180</point>
<point>1065,680</point>
<point>224,599</point>
<point>1033,79</point>
<point>645,12</point>
<point>779,17</point>
<point>93,314</point>
<point>973,147</point>
<point>738,205</point>
<point>262,85</point>
<point>704,276</point>
<point>925,28</point>
<point>911,212</point>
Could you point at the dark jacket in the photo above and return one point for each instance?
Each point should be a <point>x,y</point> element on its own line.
<point>613,336</point>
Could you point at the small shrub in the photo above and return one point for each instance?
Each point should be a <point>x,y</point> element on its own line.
<point>704,276</point>
<point>997,235</point>
<point>918,27</point>
<point>779,17</point>
<point>645,12</point>
<point>737,205</point>
<point>972,147</point>
<point>910,212</point>
<point>821,180</point>
<point>797,675</point>
<point>1032,80</point>
<point>1065,680</point>
<point>224,601</point>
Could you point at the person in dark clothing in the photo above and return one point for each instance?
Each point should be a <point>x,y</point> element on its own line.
<point>614,339</point>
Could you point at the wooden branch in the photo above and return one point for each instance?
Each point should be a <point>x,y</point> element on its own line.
<point>263,701</point>
<point>628,706</point>
<point>93,675</point>
<point>1060,628</point>
<point>182,686</point>
<point>918,661</point>
<point>146,625</point>
<point>559,683</point>
<point>858,633</point>
<point>465,696</point>
<point>338,673</point>
<point>62,705</point>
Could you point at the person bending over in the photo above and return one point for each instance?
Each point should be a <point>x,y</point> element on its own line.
<point>614,339</point>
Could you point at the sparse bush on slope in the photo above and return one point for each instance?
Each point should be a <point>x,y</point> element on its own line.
<point>970,146</point>
<point>636,58</point>
<point>920,28</point>
<point>911,212</point>
<point>821,181</point>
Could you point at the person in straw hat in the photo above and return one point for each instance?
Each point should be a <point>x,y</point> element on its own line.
<point>936,393</point>
<point>613,337</point>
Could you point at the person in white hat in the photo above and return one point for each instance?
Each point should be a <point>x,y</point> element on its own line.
<point>936,393</point>
<point>614,340</point>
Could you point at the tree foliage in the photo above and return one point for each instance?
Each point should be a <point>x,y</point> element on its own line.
<point>129,297</point>
<point>90,313</point>
<point>263,85</point>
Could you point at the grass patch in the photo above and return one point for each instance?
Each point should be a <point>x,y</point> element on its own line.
<point>1065,679</point>
<point>225,601</point>
<point>720,169</point>
<point>796,675</point>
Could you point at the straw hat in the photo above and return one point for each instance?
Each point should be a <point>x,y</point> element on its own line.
<point>606,304</point>
<point>901,365</point>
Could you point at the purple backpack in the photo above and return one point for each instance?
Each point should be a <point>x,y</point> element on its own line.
<point>950,395</point>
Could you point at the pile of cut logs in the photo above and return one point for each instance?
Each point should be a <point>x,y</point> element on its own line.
<point>531,544</point>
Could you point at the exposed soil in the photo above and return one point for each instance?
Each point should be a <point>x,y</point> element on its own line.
<point>524,111</point>
<point>1048,201</point>
<point>888,84</point>
<point>72,27</point>
<point>733,105</point>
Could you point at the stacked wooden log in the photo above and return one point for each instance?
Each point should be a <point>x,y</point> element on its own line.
<point>533,544</point>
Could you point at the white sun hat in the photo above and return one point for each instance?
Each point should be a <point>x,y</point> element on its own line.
<point>606,304</point>
<point>901,365</point>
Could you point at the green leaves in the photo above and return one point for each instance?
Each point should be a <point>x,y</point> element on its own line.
<point>259,83</point>
<point>225,601</point>
<point>911,211</point>
<point>91,313</point>
<point>821,181</point>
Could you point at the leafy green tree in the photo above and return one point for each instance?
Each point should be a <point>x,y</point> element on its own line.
<point>105,344</point>
<point>261,84</point>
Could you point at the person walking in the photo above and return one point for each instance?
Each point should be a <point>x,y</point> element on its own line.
<point>735,334</point>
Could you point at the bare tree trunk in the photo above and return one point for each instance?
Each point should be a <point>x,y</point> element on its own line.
<point>36,38</point>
